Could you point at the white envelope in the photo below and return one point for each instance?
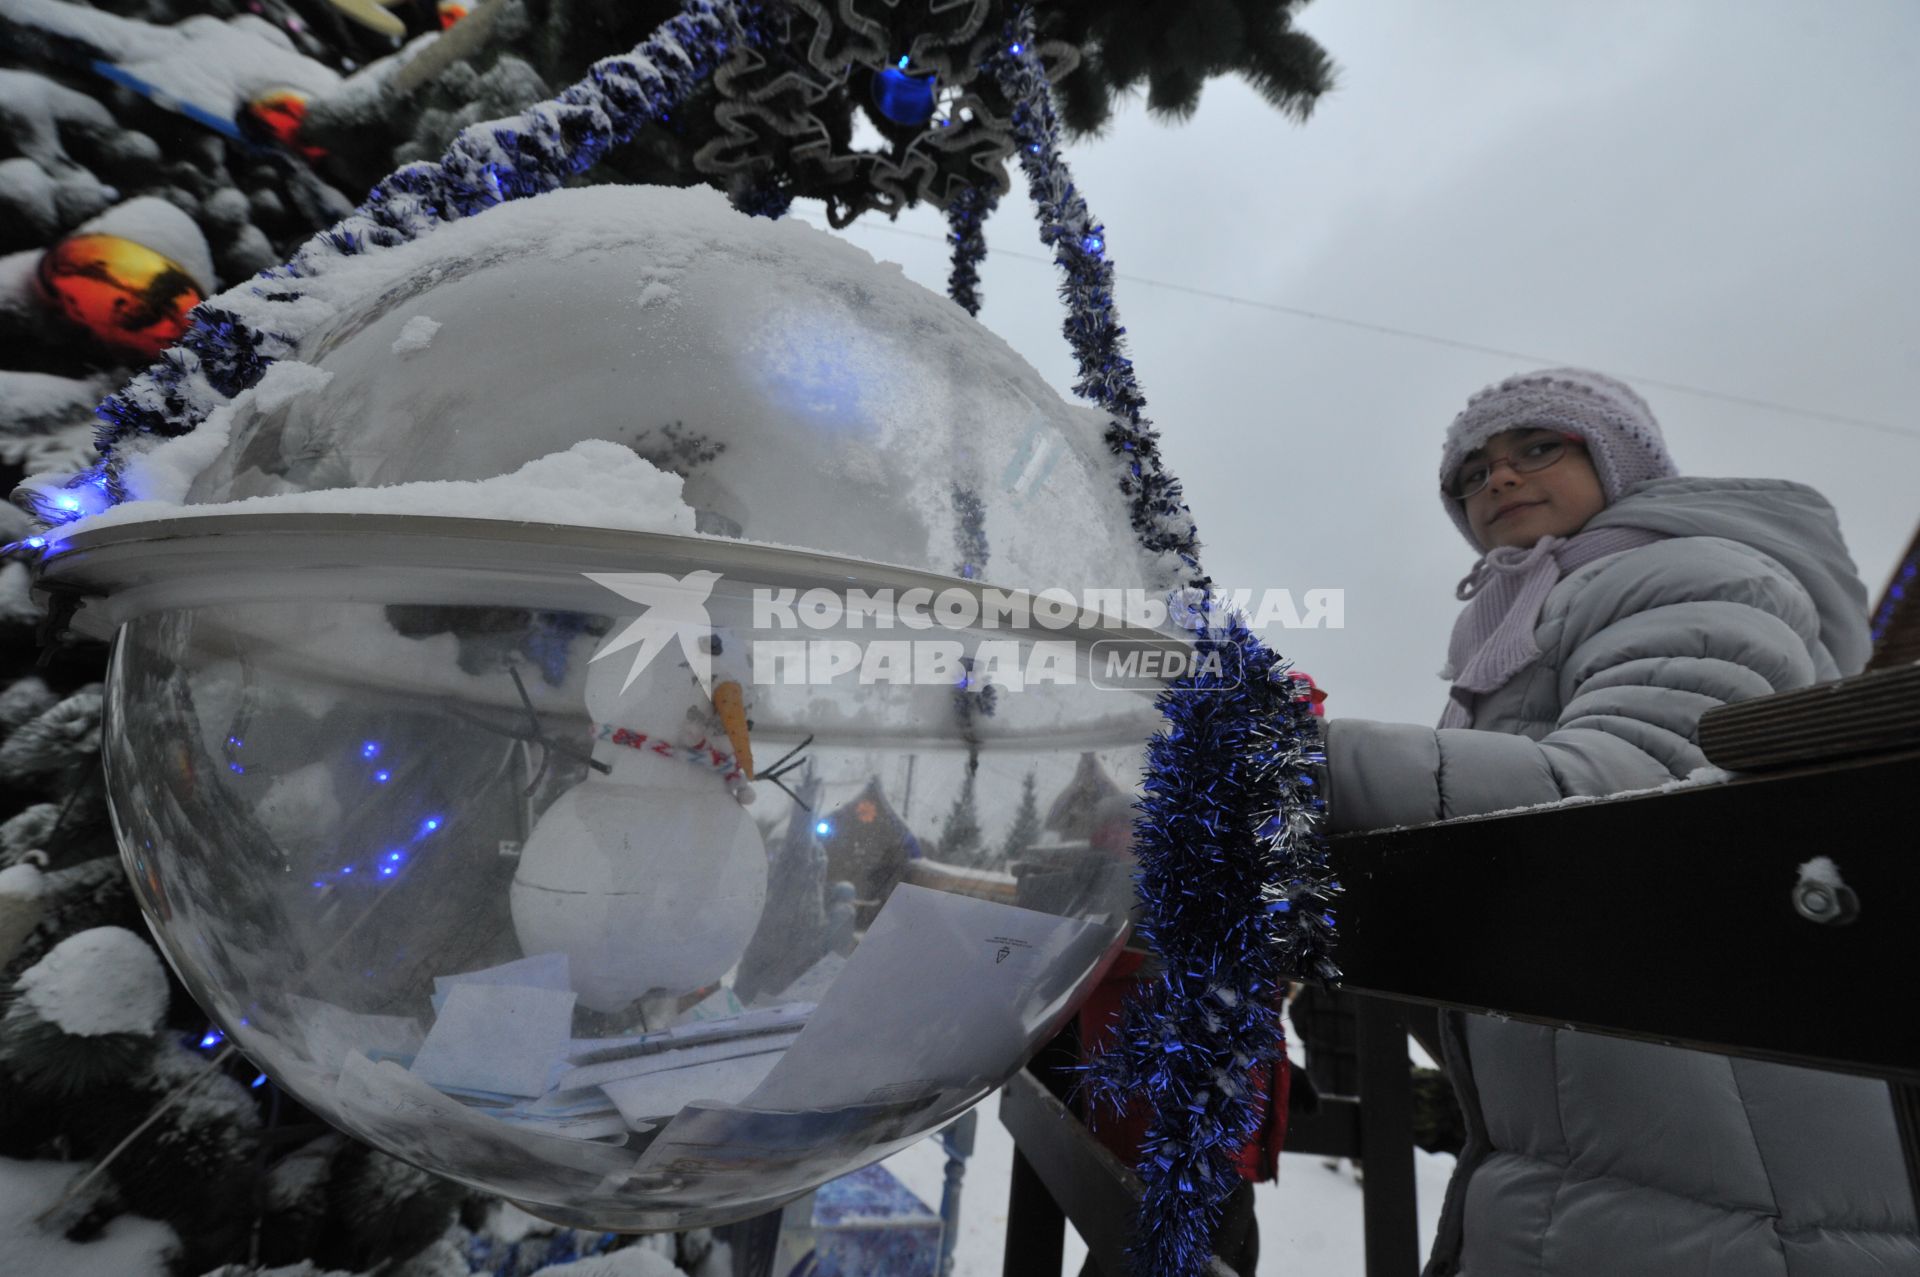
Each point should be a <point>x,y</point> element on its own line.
<point>644,1100</point>
<point>542,971</point>
<point>500,1038</point>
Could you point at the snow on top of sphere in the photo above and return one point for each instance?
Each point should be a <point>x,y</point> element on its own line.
<point>594,484</point>
<point>807,395</point>
<point>104,980</point>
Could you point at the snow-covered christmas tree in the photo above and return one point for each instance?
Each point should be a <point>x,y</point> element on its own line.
<point>152,153</point>
<point>1026,828</point>
<point>960,834</point>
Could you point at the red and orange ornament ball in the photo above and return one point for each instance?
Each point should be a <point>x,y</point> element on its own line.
<point>125,295</point>
<point>277,116</point>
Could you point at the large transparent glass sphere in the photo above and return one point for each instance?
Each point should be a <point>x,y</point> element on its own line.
<point>640,924</point>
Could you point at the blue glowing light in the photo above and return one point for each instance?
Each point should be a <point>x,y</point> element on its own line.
<point>257,1082</point>
<point>211,1039</point>
<point>903,97</point>
<point>823,828</point>
<point>382,776</point>
<point>804,368</point>
<point>1093,243</point>
<point>346,869</point>
<point>1034,147</point>
<point>386,871</point>
<point>320,882</point>
<point>236,768</point>
<point>903,62</point>
<point>395,857</point>
<point>1016,48</point>
<point>66,504</point>
<point>432,823</point>
<point>371,749</point>
<point>35,543</point>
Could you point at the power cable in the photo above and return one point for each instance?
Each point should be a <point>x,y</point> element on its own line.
<point>1410,334</point>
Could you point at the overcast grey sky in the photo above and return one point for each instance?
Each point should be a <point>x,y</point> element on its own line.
<point>1719,194</point>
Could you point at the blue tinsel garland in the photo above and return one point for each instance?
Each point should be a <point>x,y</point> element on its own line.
<point>768,200</point>
<point>967,231</point>
<point>1232,877</point>
<point>1235,898</point>
<point>1904,580</point>
<point>1160,517</point>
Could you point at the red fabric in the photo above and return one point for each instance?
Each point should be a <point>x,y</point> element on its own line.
<point>1099,1021</point>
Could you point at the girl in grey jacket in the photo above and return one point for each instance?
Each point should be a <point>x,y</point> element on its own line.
<point>1613,603</point>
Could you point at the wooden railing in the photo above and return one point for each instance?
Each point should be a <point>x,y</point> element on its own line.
<point>1690,917</point>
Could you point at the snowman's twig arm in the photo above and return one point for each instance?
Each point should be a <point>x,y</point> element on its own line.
<point>781,766</point>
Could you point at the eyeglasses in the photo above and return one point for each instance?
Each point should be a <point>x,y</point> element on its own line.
<point>1535,454</point>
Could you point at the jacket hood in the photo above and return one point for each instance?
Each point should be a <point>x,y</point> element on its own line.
<point>1788,522</point>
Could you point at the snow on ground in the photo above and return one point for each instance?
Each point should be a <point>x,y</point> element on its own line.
<point>128,1247</point>
<point>1309,1220</point>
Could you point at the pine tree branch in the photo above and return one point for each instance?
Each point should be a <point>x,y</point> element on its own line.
<point>178,1093</point>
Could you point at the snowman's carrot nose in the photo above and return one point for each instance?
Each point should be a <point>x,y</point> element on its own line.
<point>730,699</point>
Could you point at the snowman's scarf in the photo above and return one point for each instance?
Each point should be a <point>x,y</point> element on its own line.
<point>697,753</point>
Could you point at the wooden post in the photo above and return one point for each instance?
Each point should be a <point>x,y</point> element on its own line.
<point>1390,1215</point>
<point>1036,1227</point>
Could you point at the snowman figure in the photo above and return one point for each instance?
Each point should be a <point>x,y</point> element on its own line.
<point>651,877</point>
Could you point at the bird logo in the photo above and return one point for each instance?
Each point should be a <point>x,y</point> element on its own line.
<point>676,610</point>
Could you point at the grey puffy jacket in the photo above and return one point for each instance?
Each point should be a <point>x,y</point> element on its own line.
<point>1599,1156</point>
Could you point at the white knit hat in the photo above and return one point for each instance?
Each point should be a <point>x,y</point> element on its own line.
<point>1615,423</point>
